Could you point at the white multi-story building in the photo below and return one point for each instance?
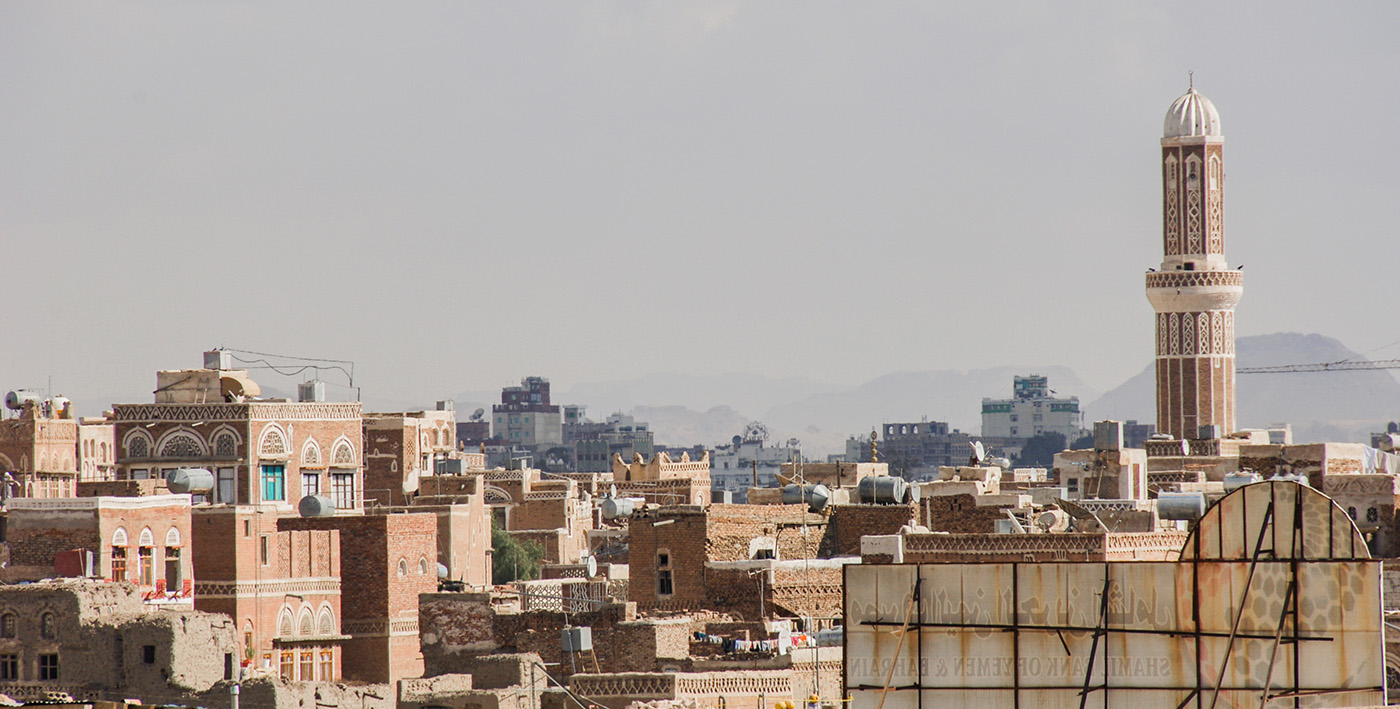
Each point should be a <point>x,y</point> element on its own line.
<point>750,462</point>
<point>1031,410</point>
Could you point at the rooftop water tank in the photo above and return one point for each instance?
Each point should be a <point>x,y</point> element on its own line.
<point>1235,481</point>
<point>883,490</point>
<point>814,496</point>
<point>17,400</point>
<point>617,508</point>
<point>1189,506</point>
<point>316,506</point>
<point>193,481</point>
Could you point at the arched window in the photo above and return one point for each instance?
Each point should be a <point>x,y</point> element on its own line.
<point>48,626</point>
<point>344,453</point>
<point>310,453</point>
<point>273,443</point>
<point>403,567</point>
<point>1351,512</point>
<point>225,446</point>
<point>9,625</point>
<point>172,537</point>
<point>148,538</point>
<point>307,626</point>
<point>182,445</point>
<point>119,537</point>
<point>327,622</point>
<point>138,447</point>
<point>284,624</point>
<point>422,566</point>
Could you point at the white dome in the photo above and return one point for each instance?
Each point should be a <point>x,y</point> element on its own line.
<point>1191,115</point>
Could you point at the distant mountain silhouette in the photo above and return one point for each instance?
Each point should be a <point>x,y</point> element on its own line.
<point>1321,406</point>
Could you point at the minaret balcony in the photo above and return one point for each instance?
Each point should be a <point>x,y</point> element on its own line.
<point>1194,291</point>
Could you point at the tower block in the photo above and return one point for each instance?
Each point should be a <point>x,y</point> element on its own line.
<point>1195,291</point>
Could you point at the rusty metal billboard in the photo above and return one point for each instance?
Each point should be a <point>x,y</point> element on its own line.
<point>1263,629</point>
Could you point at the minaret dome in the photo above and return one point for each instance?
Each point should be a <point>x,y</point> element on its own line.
<point>1191,115</point>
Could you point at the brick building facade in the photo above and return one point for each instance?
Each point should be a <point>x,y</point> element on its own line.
<point>393,562</point>
<point>143,540</point>
<point>281,587</point>
<point>400,448</point>
<point>38,452</point>
<point>260,451</point>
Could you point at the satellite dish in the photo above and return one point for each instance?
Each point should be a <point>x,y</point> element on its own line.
<point>978,452</point>
<point>612,490</point>
<point>737,440</point>
<point>476,415</point>
<point>592,566</point>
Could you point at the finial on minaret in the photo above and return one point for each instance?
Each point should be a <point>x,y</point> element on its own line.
<point>1191,80</point>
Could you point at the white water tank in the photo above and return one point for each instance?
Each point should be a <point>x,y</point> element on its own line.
<point>316,506</point>
<point>193,481</point>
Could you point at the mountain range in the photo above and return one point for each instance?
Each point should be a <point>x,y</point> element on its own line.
<point>688,409</point>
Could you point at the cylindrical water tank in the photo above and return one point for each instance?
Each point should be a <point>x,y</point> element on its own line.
<point>1235,481</point>
<point>831,637</point>
<point>617,508</point>
<point>195,481</point>
<point>815,496</point>
<point>442,571</point>
<point>792,494</point>
<point>316,506</point>
<point>883,490</point>
<point>16,400</point>
<point>1181,505</point>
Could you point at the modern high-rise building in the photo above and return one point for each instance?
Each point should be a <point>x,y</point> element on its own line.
<point>1033,409</point>
<point>1194,291</point>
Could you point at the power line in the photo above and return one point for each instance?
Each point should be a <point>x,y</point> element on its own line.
<point>1345,365</point>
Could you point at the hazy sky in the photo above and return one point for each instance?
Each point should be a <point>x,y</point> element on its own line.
<point>455,195</point>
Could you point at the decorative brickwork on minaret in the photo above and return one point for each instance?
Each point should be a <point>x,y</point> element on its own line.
<point>1194,291</point>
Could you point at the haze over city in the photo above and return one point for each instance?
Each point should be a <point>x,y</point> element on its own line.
<point>457,196</point>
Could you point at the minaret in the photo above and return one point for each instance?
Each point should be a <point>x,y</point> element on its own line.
<point>1194,291</point>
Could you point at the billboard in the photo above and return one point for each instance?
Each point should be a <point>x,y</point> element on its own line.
<point>1263,629</point>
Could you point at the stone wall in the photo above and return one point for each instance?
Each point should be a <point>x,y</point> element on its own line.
<point>958,514</point>
<point>848,523</point>
<point>459,630</point>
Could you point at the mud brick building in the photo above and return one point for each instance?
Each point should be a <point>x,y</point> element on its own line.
<point>459,630</point>
<point>1370,500</point>
<point>260,451</point>
<point>401,448</point>
<point>94,640</point>
<point>663,481</point>
<point>143,540</point>
<point>281,588</point>
<point>38,451</point>
<point>749,560</point>
<point>390,560</point>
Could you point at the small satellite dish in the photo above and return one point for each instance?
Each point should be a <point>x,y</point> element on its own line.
<point>592,566</point>
<point>978,452</point>
<point>476,415</point>
<point>612,490</point>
